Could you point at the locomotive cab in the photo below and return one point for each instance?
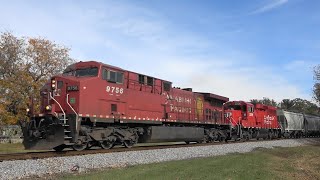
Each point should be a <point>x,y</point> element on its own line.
<point>236,111</point>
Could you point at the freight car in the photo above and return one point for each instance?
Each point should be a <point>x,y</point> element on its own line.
<point>311,125</point>
<point>296,125</point>
<point>292,124</point>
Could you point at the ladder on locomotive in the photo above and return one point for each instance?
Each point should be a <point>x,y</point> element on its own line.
<point>65,121</point>
<point>66,128</point>
<point>62,119</point>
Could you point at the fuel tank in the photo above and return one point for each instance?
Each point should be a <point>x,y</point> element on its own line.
<point>174,134</point>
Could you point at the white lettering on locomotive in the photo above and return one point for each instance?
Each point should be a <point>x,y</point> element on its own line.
<point>113,89</point>
<point>180,109</point>
<point>179,99</point>
<point>267,119</point>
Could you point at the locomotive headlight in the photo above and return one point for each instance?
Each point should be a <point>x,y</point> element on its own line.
<point>48,107</point>
<point>53,84</point>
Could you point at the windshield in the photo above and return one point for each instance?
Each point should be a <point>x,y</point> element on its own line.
<point>84,72</point>
<point>233,107</point>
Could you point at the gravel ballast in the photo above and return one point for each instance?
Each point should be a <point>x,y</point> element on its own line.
<point>43,167</point>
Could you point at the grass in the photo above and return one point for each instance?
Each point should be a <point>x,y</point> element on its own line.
<point>11,148</point>
<point>7,148</point>
<point>279,163</point>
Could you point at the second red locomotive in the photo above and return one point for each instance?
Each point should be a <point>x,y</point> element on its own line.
<point>252,121</point>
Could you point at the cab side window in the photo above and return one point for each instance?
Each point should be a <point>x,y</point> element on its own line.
<point>113,76</point>
<point>145,80</point>
<point>149,81</point>
<point>166,86</point>
<point>141,79</point>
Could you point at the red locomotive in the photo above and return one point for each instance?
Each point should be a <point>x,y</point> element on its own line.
<point>94,104</point>
<point>252,121</point>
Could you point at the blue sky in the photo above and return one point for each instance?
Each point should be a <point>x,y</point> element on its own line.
<point>239,49</point>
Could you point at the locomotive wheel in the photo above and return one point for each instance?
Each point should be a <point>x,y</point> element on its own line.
<point>106,144</point>
<point>59,148</point>
<point>270,136</point>
<point>245,137</point>
<point>128,143</point>
<point>222,137</point>
<point>80,146</point>
<point>90,144</point>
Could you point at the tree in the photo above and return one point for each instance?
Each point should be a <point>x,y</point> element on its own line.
<point>25,66</point>
<point>265,101</point>
<point>316,87</point>
<point>295,105</point>
<point>286,104</point>
<point>254,101</point>
<point>304,106</point>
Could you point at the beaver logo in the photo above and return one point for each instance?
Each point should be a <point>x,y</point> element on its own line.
<point>199,106</point>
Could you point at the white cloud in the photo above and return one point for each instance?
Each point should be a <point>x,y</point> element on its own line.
<point>247,85</point>
<point>300,65</point>
<point>270,6</point>
<point>294,65</point>
<point>223,77</point>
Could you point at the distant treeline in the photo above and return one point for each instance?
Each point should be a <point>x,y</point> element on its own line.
<point>294,105</point>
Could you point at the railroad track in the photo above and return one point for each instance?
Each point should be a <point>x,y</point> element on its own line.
<point>48,154</point>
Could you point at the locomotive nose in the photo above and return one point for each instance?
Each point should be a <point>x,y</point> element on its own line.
<point>55,92</point>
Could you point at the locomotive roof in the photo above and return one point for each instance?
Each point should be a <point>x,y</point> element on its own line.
<point>239,102</point>
<point>257,106</point>
<point>96,63</point>
<point>214,96</point>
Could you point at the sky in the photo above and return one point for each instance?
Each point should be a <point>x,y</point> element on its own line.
<point>239,49</point>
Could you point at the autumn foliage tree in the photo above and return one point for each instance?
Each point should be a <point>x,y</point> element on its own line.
<point>25,66</point>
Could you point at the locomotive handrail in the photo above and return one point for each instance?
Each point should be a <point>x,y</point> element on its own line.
<point>73,111</point>
<point>64,114</point>
<point>40,123</point>
<point>32,122</point>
